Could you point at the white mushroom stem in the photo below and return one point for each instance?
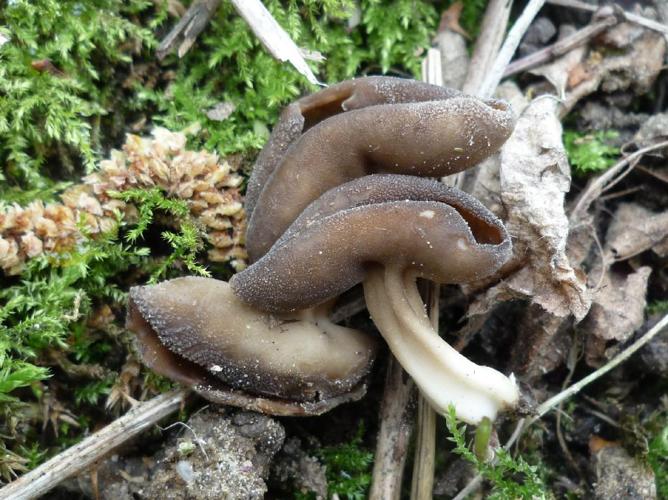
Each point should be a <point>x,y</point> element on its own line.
<point>444,376</point>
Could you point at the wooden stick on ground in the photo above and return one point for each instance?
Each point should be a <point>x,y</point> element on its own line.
<point>81,456</point>
<point>185,32</point>
<point>425,449</point>
<point>560,47</point>
<point>396,425</point>
<point>630,17</point>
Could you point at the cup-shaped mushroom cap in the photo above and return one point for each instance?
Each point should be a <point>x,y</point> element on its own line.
<point>431,138</point>
<point>310,110</point>
<point>405,222</point>
<point>195,330</point>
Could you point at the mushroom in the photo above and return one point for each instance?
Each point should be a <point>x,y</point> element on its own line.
<point>385,231</point>
<point>197,332</point>
<point>364,126</point>
<point>331,225</point>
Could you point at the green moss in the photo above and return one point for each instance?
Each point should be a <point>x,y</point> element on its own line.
<point>658,459</point>
<point>229,64</point>
<point>184,245</point>
<point>348,468</point>
<point>508,476</point>
<point>61,72</point>
<point>657,307</point>
<point>591,152</point>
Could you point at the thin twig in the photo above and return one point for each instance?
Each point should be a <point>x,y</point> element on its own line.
<point>572,362</point>
<point>186,31</point>
<point>613,363</point>
<point>76,459</point>
<point>492,31</point>
<point>564,395</point>
<point>509,47</point>
<point>600,183</point>
<point>633,18</point>
<point>561,47</point>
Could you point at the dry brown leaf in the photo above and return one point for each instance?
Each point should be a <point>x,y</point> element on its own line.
<point>543,345</point>
<point>483,181</point>
<point>221,111</point>
<point>636,229</point>
<point>636,68</point>
<point>535,177</point>
<point>617,311</point>
<point>450,20</point>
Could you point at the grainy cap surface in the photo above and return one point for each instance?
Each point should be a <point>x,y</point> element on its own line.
<point>440,233</point>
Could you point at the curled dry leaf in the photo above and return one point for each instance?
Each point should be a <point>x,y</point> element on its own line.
<point>534,178</point>
<point>636,229</point>
<point>483,181</point>
<point>454,58</point>
<point>618,310</point>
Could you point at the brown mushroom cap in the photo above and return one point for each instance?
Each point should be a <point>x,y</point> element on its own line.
<point>426,137</point>
<point>406,222</point>
<point>189,324</point>
<point>310,110</point>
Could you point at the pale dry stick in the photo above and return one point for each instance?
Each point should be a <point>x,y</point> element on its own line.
<point>492,31</point>
<point>272,36</point>
<point>512,41</point>
<point>561,47</point>
<point>632,18</point>
<point>564,395</point>
<point>422,487</point>
<point>80,456</point>
<point>603,181</point>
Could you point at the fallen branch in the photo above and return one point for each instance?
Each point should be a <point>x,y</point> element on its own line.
<point>396,425</point>
<point>187,30</point>
<point>422,487</point>
<point>561,47</point>
<point>632,18</point>
<point>81,456</point>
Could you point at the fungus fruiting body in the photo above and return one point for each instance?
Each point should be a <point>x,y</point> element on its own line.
<point>196,331</point>
<point>415,129</point>
<point>405,228</point>
<point>329,211</point>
